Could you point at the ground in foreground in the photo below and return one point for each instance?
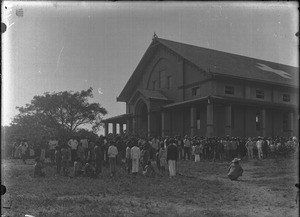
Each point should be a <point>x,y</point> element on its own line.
<point>266,189</point>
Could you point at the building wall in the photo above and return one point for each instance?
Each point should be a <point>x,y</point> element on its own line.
<point>202,130</point>
<point>206,89</point>
<point>180,121</point>
<point>247,90</point>
<point>269,123</point>
<point>185,77</point>
<point>219,120</point>
<point>277,122</point>
<point>278,93</point>
<point>238,89</point>
<point>238,127</point>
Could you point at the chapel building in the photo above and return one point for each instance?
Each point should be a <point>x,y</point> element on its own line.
<point>181,89</point>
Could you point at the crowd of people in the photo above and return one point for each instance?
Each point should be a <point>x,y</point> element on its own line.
<point>87,156</point>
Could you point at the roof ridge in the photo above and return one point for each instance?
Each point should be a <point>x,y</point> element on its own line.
<point>225,52</point>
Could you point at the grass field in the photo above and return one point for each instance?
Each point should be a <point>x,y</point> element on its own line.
<point>265,189</point>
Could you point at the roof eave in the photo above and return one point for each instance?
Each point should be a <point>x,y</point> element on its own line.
<point>122,97</point>
<point>220,75</point>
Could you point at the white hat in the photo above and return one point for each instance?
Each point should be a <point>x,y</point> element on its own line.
<point>235,160</point>
<point>294,138</point>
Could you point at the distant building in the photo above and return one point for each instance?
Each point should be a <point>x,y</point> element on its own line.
<point>188,90</point>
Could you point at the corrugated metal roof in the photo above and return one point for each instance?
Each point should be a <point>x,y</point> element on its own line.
<point>219,62</point>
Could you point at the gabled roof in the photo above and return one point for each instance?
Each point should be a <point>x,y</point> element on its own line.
<point>218,63</point>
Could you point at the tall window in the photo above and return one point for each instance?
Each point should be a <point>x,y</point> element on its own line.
<point>162,79</point>
<point>258,120</point>
<point>260,94</point>
<point>154,85</point>
<point>169,82</point>
<point>229,90</point>
<point>285,122</point>
<point>286,97</point>
<point>195,91</point>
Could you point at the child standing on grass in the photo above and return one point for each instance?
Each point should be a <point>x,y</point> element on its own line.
<point>38,168</point>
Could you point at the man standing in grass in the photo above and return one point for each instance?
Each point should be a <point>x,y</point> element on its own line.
<point>24,147</point>
<point>249,145</point>
<point>85,145</point>
<point>135,157</point>
<point>128,157</point>
<point>52,145</point>
<point>172,157</point>
<point>112,154</point>
<point>73,145</point>
<point>259,144</point>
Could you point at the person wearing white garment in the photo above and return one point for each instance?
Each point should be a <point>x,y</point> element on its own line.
<point>259,148</point>
<point>197,152</point>
<point>172,157</point>
<point>135,157</point>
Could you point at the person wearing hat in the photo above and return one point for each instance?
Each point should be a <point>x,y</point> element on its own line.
<point>172,157</point>
<point>235,170</point>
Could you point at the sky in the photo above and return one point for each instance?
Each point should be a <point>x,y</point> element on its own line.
<point>57,46</point>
